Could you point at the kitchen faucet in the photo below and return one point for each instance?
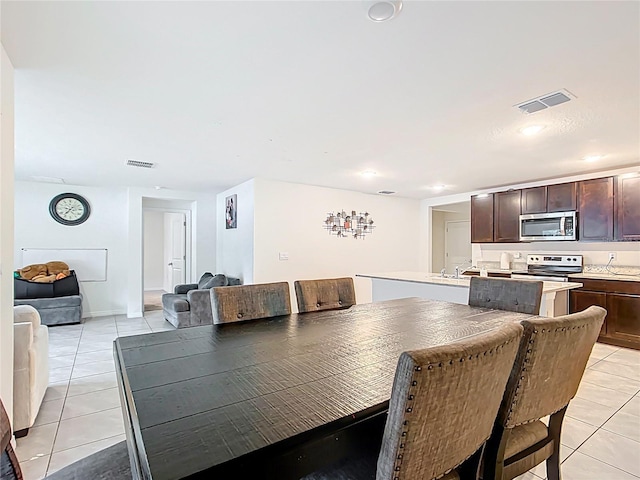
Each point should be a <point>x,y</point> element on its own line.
<point>460,272</point>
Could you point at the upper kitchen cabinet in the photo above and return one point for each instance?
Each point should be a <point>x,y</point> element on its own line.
<point>561,197</point>
<point>595,202</point>
<point>482,218</point>
<point>627,202</point>
<point>506,216</point>
<point>534,200</point>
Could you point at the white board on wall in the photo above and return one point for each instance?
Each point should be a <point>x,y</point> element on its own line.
<point>90,264</point>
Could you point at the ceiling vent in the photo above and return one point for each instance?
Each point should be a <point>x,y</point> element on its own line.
<point>545,101</point>
<point>386,192</point>
<point>138,163</point>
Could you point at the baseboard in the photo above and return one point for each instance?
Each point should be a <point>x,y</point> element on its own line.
<point>103,313</point>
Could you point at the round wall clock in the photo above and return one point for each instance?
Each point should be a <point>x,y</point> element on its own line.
<point>69,209</point>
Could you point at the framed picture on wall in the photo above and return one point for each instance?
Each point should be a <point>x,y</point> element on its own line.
<point>231,211</point>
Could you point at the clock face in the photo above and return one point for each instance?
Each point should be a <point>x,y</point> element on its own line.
<point>69,209</point>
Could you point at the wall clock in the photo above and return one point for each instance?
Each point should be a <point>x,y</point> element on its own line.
<point>69,209</point>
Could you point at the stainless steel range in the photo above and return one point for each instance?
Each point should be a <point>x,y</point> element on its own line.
<point>554,268</point>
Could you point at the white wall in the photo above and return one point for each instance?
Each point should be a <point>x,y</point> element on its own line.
<point>153,249</point>
<point>439,221</point>
<point>105,228</point>
<point>6,230</point>
<point>235,252</point>
<point>594,253</point>
<point>289,218</point>
<point>203,236</point>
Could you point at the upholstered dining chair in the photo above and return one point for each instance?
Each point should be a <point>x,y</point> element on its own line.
<point>325,294</point>
<point>522,296</point>
<point>112,463</point>
<point>442,409</point>
<point>250,302</point>
<point>545,377</point>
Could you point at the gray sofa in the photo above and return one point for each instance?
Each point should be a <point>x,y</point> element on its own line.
<point>56,310</point>
<point>190,304</point>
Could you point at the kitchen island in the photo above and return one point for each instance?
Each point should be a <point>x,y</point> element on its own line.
<point>432,286</point>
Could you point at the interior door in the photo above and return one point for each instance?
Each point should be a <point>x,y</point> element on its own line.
<point>175,233</point>
<point>457,245</point>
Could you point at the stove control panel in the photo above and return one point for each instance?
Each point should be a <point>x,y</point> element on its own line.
<point>544,259</point>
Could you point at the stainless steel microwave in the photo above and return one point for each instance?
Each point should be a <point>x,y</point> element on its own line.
<point>548,226</point>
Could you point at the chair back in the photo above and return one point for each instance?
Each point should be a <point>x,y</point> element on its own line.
<point>325,294</point>
<point>444,403</point>
<point>522,296</point>
<point>249,302</point>
<point>9,466</point>
<point>552,358</point>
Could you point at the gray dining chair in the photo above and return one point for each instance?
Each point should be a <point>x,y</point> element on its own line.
<point>442,409</point>
<point>324,294</point>
<point>250,302</point>
<point>545,377</point>
<point>522,296</point>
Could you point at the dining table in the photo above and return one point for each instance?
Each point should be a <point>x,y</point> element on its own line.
<point>276,397</point>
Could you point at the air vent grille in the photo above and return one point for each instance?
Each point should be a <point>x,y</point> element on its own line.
<point>545,101</point>
<point>386,192</point>
<point>139,164</point>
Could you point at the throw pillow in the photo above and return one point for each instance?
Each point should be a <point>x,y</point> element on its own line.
<point>204,279</point>
<point>218,280</point>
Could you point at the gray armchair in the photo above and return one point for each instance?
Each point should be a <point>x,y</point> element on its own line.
<point>190,304</point>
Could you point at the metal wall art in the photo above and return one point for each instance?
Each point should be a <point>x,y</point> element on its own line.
<point>356,225</point>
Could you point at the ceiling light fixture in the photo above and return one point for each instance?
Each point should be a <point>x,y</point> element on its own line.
<point>439,187</point>
<point>385,10</point>
<point>369,173</point>
<point>592,158</point>
<point>532,130</point>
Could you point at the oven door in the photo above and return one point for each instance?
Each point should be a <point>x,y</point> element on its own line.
<point>548,226</point>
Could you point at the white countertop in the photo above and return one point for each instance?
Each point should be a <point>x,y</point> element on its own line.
<point>606,276</point>
<point>436,279</point>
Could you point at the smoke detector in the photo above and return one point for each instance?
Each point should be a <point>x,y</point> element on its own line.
<point>381,11</point>
<point>545,101</point>
<point>139,164</point>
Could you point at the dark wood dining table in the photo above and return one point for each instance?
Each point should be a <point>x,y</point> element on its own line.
<point>274,398</point>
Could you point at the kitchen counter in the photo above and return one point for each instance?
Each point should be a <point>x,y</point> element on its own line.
<point>392,285</point>
<point>606,276</point>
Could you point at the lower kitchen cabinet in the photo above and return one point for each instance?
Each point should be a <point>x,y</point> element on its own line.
<point>622,301</point>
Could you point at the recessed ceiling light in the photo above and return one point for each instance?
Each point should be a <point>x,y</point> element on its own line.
<point>158,187</point>
<point>385,10</point>
<point>439,187</point>
<point>369,173</point>
<point>532,130</point>
<point>592,158</point>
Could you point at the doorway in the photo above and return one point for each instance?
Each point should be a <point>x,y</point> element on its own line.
<point>450,237</point>
<point>457,244</point>
<point>166,252</point>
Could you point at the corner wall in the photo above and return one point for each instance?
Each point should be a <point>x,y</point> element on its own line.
<point>6,229</point>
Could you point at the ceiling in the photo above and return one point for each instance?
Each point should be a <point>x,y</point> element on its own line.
<point>215,93</point>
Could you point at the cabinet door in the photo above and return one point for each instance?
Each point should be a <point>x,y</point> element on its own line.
<point>627,200</point>
<point>582,299</point>
<point>624,318</point>
<point>506,216</point>
<point>482,219</point>
<point>595,199</point>
<point>534,200</point>
<point>561,197</point>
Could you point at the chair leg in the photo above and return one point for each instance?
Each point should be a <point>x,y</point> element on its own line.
<point>494,454</point>
<point>555,428</point>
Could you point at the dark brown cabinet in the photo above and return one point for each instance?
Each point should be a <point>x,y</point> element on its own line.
<point>482,218</point>
<point>534,200</point>
<point>561,197</point>
<point>622,301</point>
<point>627,200</point>
<point>596,214</point>
<point>506,216</point>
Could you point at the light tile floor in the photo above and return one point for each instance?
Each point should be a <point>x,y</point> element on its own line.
<point>81,410</point>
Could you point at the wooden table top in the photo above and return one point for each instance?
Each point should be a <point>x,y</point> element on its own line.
<point>203,396</point>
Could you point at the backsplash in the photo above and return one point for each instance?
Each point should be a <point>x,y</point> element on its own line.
<point>617,270</point>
